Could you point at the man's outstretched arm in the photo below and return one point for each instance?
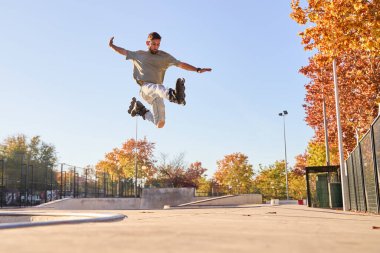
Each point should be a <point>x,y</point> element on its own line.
<point>186,66</point>
<point>120,50</point>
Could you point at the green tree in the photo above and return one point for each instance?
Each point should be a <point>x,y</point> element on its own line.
<point>271,181</point>
<point>297,185</point>
<point>316,154</point>
<point>204,185</point>
<point>27,161</point>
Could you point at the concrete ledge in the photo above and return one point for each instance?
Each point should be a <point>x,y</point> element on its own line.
<point>153,198</point>
<point>57,218</point>
<point>157,198</point>
<point>94,204</point>
<point>208,200</point>
<point>52,203</point>
<point>229,200</point>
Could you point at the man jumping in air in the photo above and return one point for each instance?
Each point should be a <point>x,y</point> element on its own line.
<point>149,69</point>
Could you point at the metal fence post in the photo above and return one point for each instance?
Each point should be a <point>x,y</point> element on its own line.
<point>74,183</point>
<point>85,185</point>
<point>104,185</point>
<point>20,185</point>
<point>32,185</point>
<point>95,183</point>
<point>119,188</point>
<point>64,189</point>
<point>51,184</point>
<point>26,191</point>
<point>112,186</point>
<point>2,183</point>
<point>60,194</point>
<point>46,175</point>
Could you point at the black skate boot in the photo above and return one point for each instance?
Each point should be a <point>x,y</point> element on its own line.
<point>172,96</point>
<point>180,91</point>
<point>137,108</point>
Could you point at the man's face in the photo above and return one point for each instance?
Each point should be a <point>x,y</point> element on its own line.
<point>153,45</point>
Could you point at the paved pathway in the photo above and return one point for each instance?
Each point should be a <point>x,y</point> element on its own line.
<point>257,228</point>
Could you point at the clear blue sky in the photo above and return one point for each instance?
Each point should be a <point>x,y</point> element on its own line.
<point>60,80</point>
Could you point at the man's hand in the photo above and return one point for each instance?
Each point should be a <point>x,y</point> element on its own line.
<point>111,42</point>
<point>186,66</point>
<point>204,70</point>
<point>120,50</point>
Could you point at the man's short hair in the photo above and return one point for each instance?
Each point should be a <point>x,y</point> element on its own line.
<point>154,36</point>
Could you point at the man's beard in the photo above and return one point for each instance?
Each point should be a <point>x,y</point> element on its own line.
<point>153,52</point>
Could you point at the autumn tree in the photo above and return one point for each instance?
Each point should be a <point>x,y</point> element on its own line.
<point>170,172</point>
<point>297,178</point>
<point>120,162</point>
<point>173,173</point>
<point>300,164</point>
<point>339,25</point>
<point>347,31</point>
<point>194,175</point>
<point>234,173</point>
<point>359,77</point>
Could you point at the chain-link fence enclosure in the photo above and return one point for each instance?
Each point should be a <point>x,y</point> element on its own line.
<point>363,172</point>
<point>27,185</point>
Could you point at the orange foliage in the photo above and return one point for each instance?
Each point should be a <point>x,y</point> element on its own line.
<point>234,173</point>
<point>359,87</point>
<point>120,162</point>
<point>340,25</point>
<point>349,31</point>
<point>299,166</point>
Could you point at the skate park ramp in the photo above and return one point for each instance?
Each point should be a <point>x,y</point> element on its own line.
<point>224,201</point>
<point>19,219</point>
<point>157,198</point>
<point>93,204</point>
<point>153,198</point>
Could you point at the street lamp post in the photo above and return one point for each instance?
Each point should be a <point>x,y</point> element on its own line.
<point>343,171</point>
<point>283,114</point>
<point>326,132</point>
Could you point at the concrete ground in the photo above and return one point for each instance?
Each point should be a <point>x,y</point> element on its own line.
<point>255,228</point>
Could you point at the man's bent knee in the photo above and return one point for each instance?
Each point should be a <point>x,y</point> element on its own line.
<point>160,124</point>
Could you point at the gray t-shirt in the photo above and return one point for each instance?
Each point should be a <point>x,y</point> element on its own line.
<point>148,67</point>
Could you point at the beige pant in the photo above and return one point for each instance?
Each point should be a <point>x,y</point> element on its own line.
<point>154,94</point>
